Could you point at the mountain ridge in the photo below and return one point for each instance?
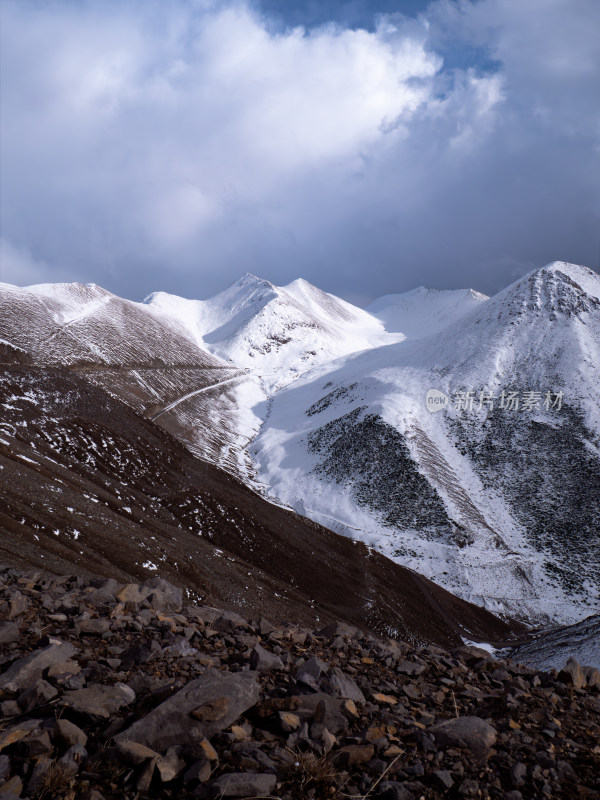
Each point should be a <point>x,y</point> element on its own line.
<point>473,497</point>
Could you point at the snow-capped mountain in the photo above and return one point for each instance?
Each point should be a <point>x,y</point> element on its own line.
<point>278,332</point>
<point>422,311</point>
<point>327,408</point>
<point>138,356</point>
<point>501,504</point>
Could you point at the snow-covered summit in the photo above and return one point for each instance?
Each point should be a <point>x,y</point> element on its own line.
<point>277,331</point>
<point>423,311</point>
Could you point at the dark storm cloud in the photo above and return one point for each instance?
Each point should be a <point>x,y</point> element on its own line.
<point>175,146</point>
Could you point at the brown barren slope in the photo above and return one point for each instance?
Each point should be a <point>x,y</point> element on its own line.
<point>89,486</point>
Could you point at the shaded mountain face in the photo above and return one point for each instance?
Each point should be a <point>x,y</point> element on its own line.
<point>552,648</point>
<point>89,486</point>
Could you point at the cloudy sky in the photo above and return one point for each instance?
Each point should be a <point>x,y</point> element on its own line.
<point>368,146</point>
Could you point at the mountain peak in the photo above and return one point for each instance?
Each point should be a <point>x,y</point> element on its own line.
<point>251,280</point>
<point>558,289</point>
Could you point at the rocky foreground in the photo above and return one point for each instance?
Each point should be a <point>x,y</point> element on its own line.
<point>125,691</point>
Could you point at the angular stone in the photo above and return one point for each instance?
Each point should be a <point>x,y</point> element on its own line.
<point>208,751</point>
<point>173,594</point>
<point>343,686</point>
<point>134,752</point>
<point>19,604</point>
<point>93,627</point>
<point>199,772</point>
<point>39,694</point>
<point>170,765</point>
<point>63,669</point>
<point>472,733</point>
<point>98,700</point>
<point>36,744</point>
<point>12,788</point>
<point>390,790</point>
<point>4,767</point>
<point>239,733</point>
<point>68,734</point>
<point>310,672</point>
<point>243,784</point>
<point>132,593</point>
<point>145,778</point>
<point>328,740</point>
<point>9,708</point>
<point>17,732</point>
<point>9,633</point>
<point>411,668</point>
<point>229,621</point>
<point>411,691</point>
<point>289,722</point>
<point>353,755</point>
<point>73,758</point>
<point>471,654</point>
<point>171,722</point>
<point>263,661</point>
<point>592,677</point>
<point>385,699</point>
<point>351,708</point>
<point>339,629</point>
<point>573,674</point>
<point>38,774</point>
<point>442,779</point>
<point>29,669</point>
<point>102,597</point>
<point>327,711</point>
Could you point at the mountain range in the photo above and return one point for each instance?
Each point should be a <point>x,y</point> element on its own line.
<point>292,410</point>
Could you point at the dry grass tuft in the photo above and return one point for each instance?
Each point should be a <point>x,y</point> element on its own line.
<point>56,781</point>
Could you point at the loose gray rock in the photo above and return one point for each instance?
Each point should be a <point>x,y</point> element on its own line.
<point>243,784</point>
<point>310,672</point>
<point>170,765</point>
<point>73,758</point>
<point>29,669</point>
<point>443,779</point>
<point>222,696</point>
<point>263,661</point>
<point>11,789</point>
<point>134,752</point>
<point>339,629</point>
<point>93,627</point>
<point>98,700</point>
<point>343,686</point>
<point>573,674</point>
<point>9,632</point>
<point>39,694</point>
<point>324,709</point>
<point>592,676</point>
<point>68,734</point>
<point>410,668</point>
<point>470,732</point>
<point>390,790</point>
<point>518,773</point>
